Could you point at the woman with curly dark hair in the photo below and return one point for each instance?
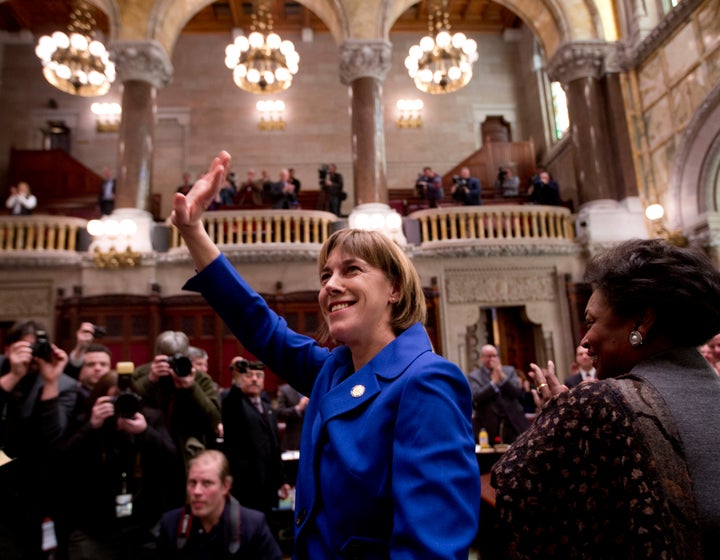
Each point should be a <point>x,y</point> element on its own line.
<point>628,467</point>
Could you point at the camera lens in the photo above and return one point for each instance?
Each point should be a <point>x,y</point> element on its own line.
<point>181,365</point>
<point>127,405</point>
<point>42,348</point>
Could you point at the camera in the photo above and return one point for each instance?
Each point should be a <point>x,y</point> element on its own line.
<point>457,180</point>
<point>42,349</point>
<point>128,402</point>
<point>98,331</point>
<point>181,365</point>
<point>322,172</point>
<point>502,173</point>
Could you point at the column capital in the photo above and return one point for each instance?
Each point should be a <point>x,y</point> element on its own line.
<point>146,61</point>
<point>364,59</point>
<point>586,59</point>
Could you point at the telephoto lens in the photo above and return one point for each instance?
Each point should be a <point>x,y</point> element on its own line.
<point>181,365</point>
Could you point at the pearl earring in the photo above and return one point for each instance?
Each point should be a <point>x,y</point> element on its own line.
<point>636,339</point>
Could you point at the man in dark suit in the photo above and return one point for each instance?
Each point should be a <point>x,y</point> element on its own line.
<point>496,392</point>
<point>106,199</point>
<point>466,189</point>
<point>586,370</point>
<point>291,408</point>
<point>252,444</point>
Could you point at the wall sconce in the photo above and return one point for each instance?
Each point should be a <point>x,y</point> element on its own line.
<point>380,217</point>
<point>106,234</point>
<point>655,213</point>
<point>409,113</point>
<point>107,116</point>
<point>272,114</point>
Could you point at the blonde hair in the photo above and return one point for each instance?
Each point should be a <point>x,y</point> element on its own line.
<point>383,253</point>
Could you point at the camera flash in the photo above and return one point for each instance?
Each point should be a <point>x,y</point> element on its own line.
<point>124,368</point>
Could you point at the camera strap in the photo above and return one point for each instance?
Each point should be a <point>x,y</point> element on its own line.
<point>232,530</point>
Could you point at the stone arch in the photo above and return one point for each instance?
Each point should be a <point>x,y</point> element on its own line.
<point>695,179</point>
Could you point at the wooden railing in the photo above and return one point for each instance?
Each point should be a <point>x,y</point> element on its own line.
<point>39,232</point>
<point>499,223</point>
<point>253,227</point>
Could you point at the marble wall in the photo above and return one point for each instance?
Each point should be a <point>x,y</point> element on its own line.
<point>673,83</point>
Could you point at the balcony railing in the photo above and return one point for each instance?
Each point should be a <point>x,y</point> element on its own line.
<point>254,227</point>
<point>39,233</point>
<point>495,223</point>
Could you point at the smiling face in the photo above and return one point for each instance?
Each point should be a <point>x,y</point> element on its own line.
<point>607,338</point>
<point>583,359</point>
<point>356,299</point>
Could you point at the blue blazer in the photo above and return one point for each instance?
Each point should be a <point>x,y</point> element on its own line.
<point>387,458</point>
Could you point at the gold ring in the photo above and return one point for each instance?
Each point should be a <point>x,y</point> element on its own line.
<point>540,387</point>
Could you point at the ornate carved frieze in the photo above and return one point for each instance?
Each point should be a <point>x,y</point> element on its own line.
<point>247,255</point>
<point>364,59</point>
<point>500,286</point>
<point>25,300</point>
<point>583,59</point>
<point>449,250</point>
<point>146,61</point>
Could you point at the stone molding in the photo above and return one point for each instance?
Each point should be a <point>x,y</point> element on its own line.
<point>638,53</point>
<point>145,61</point>
<point>586,59</point>
<point>478,285</point>
<point>446,249</point>
<point>364,59</point>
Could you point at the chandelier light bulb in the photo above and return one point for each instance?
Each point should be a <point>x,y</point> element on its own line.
<point>232,51</point>
<point>78,42</point>
<point>61,40</point>
<point>96,48</point>
<point>470,46</point>
<point>273,41</point>
<point>427,43</point>
<point>282,74</point>
<point>256,40</point>
<point>253,75</point>
<point>458,40</point>
<point>242,43</point>
<point>442,39</point>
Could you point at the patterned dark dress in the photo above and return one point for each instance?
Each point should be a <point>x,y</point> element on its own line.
<point>599,475</point>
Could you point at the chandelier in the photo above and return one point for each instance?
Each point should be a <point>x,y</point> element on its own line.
<point>76,62</point>
<point>441,63</point>
<point>262,62</point>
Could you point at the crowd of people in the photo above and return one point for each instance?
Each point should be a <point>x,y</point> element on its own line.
<point>281,193</point>
<point>157,461</point>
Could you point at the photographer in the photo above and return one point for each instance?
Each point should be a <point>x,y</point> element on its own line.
<point>122,471</point>
<point>86,335</point>
<point>466,189</point>
<point>186,397</point>
<point>331,183</point>
<point>507,184</point>
<point>429,187</point>
<point>36,401</point>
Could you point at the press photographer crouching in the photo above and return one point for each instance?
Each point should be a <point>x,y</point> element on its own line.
<point>122,471</point>
<point>186,397</point>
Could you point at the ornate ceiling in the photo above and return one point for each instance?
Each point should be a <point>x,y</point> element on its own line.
<point>44,16</point>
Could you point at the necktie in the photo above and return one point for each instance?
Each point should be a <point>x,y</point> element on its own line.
<point>258,405</point>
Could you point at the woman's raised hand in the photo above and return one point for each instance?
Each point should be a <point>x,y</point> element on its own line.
<point>188,208</point>
<point>547,385</point>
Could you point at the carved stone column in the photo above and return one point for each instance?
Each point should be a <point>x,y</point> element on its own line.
<point>143,67</point>
<point>363,66</point>
<point>601,144</point>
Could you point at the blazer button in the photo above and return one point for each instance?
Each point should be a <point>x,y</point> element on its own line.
<point>300,517</point>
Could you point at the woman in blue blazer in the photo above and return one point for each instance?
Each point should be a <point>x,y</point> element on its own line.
<point>387,458</point>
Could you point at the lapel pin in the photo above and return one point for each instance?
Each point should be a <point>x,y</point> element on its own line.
<point>357,391</point>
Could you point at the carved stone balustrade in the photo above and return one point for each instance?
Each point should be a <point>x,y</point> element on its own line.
<point>39,233</point>
<point>495,224</point>
<point>254,227</point>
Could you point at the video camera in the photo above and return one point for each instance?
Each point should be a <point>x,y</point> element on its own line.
<point>98,331</point>
<point>128,402</point>
<point>181,365</point>
<point>42,348</point>
<point>460,181</point>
